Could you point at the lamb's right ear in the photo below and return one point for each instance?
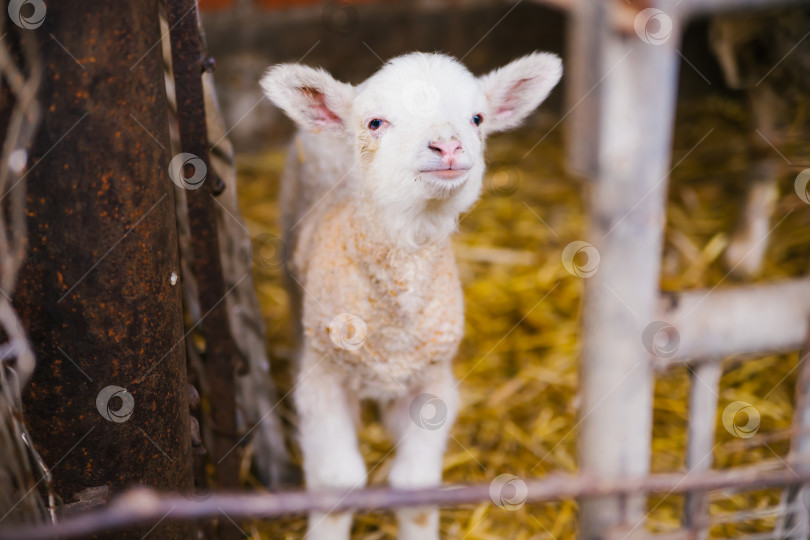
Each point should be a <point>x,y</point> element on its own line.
<point>311,97</point>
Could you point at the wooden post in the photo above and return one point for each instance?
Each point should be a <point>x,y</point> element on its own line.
<point>107,404</point>
<point>629,87</point>
<point>705,379</point>
<point>797,498</point>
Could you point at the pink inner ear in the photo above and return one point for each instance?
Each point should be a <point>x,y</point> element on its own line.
<point>321,114</point>
<point>511,99</point>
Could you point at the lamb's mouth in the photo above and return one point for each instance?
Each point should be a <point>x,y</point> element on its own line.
<point>448,174</point>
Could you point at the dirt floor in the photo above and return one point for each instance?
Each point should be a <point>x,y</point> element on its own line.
<point>518,363</point>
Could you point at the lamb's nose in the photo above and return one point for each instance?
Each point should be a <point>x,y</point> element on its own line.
<point>445,148</point>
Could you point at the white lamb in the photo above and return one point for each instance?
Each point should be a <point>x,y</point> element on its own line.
<point>373,189</point>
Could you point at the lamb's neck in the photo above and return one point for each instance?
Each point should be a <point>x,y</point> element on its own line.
<point>420,228</point>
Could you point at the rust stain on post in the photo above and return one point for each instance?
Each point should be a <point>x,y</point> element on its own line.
<point>95,292</point>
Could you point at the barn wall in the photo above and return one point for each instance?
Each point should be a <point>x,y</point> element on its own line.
<point>350,40</point>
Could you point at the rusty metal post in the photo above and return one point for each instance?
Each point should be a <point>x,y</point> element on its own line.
<point>220,349</point>
<point>107,403</point>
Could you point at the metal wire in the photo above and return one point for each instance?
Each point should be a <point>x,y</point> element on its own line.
<point>23,474</point>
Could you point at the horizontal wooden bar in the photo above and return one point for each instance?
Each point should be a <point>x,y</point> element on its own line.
<point>144,505</point>
<point>752,319</point>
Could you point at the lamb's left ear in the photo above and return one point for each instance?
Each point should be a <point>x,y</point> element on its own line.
<point>516,89</point>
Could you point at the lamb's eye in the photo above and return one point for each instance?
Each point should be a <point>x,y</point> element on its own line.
<point>375,124</point>
<point>477,119</point>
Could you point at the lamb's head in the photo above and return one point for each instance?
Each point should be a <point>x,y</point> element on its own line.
<point>418,128</point>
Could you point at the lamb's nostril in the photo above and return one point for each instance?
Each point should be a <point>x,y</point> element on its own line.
<point>443,148</point>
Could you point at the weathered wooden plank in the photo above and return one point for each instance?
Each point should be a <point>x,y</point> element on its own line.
<point>632,100</point>
<point>700,447</point>
<point>754,319</point>
<point>797,521</point>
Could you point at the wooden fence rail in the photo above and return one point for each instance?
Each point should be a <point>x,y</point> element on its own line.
<point>143,506</point>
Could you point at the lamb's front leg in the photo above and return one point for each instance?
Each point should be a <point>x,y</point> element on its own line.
<point>420,423</point>
<point>332,459</point>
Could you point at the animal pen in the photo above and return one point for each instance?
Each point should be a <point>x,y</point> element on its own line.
<point>179,292</point>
